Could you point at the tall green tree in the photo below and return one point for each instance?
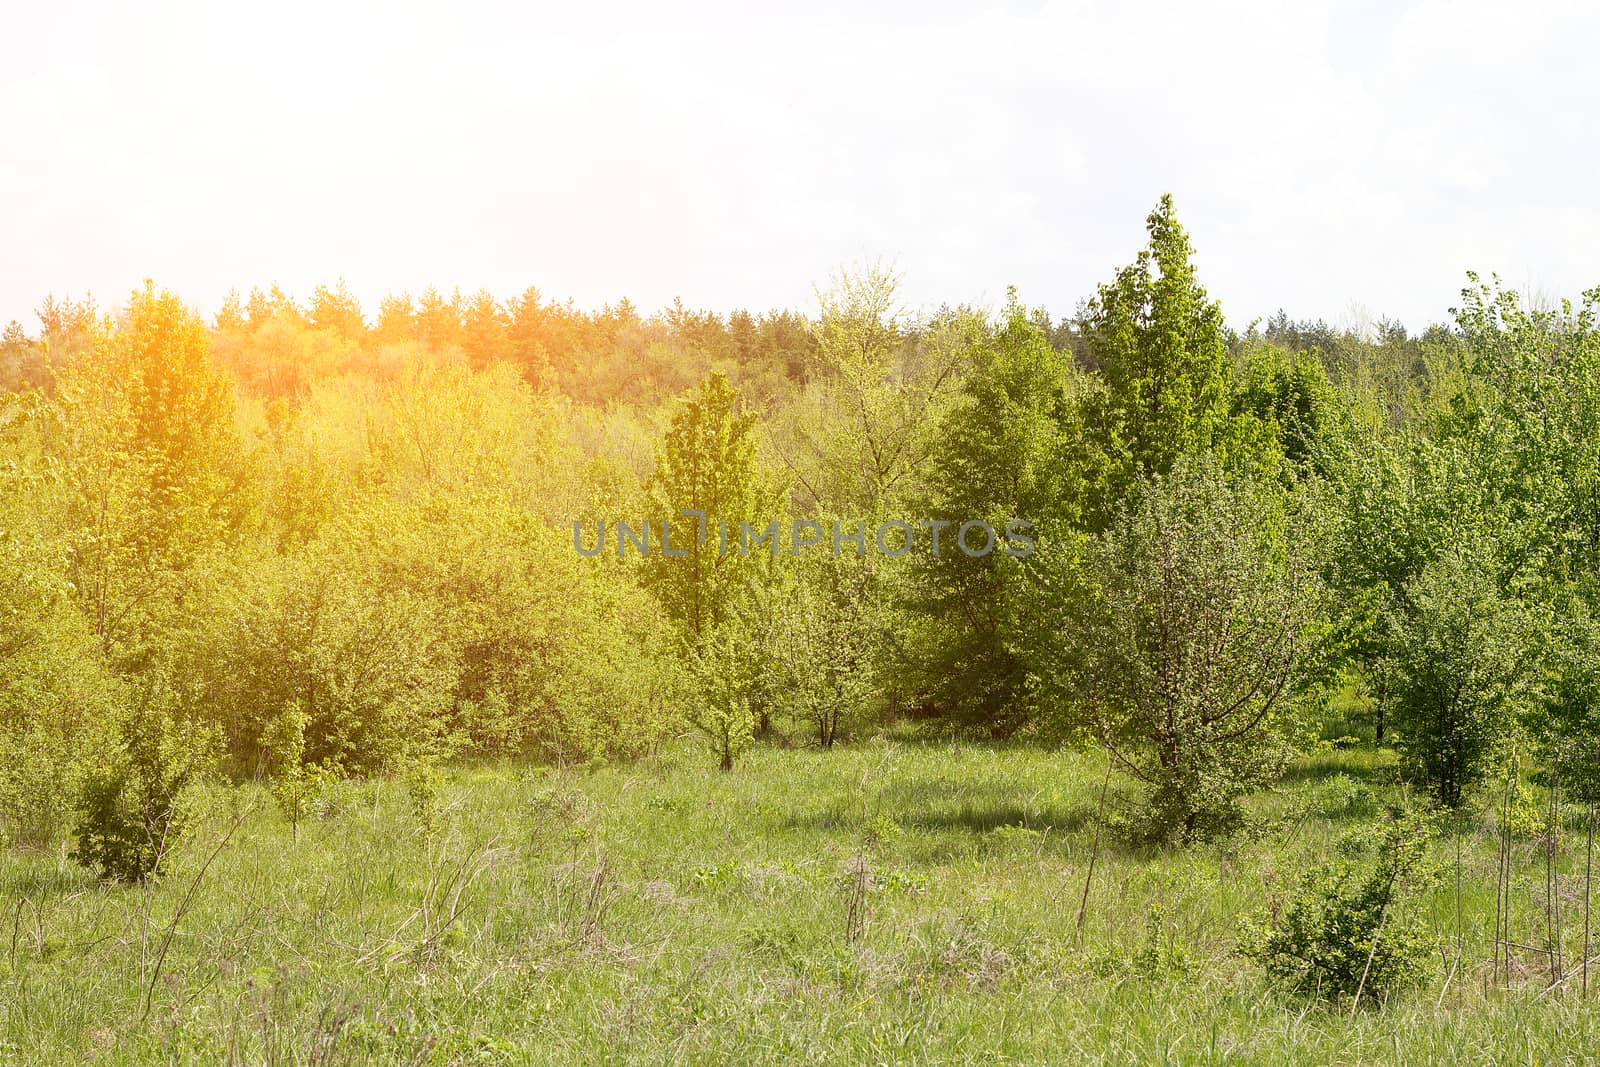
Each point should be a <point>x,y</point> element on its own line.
<point>1010,449</point>
<point>1160,346</point>
<point>147,441</point>
<point>707,482</point>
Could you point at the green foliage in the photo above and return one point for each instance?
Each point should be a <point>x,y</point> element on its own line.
<point>1160,347</point>
<point>1456,671</point>
<point>132,806</point>
<point>366,665</point>
<point>1293,395</point>
<point>145,440</point>
<point>56,697</point>
<point>724,668</point>
<point>618,683</point>
<point>295,784</point>
<point>1162,955</point>
<point>707,463</point>
<point>860,438</point>
<point>829,627</point>
<point>1569,724</point>
<point>1184,640</point>
<point>1349,926</point>
<point>1010,448</point>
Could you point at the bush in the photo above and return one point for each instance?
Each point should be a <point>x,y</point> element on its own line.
<point>417,630</point>
<point>1184,641</point>
<point>367,666</point>
<point>1457,670</point>
<point>56,695</point>
<point>131,810</point>
<point>1344,929</point>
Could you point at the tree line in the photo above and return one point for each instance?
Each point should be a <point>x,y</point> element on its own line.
<point>300,544</point>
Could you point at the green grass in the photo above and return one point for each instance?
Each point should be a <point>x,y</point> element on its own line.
<point>667,913</point>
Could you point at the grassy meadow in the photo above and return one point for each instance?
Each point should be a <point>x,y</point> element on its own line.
<point>890,902</point>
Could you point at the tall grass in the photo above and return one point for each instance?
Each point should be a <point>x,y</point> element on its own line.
<point>883,903</point>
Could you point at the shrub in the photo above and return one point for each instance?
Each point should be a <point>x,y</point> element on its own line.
<point>1456,671</point>
<point>1162,955</point>
<point>366,666</point>
<point>56,695</point>
<point>131,809</point>
<point>1345,928</point>
<point>296,784</point>
<point>725,669</point>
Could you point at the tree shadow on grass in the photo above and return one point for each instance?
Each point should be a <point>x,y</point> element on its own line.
<point>929,806</point>
<point>933,806</point>
<point>1370,766</point>
<point>36,881</point>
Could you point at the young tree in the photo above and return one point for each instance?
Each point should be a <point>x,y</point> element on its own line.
<point>724,666</point>
<point>1185,637</point>
<point>150,449</point>
<point>1160,346</point>
<point>1010,448</point>
<point>858,442</point>
<point>57,700</point>
<point>829,630</point>
<point>706,465</point>
<point>1350,929</point>
<point>1456,670</point>
<point>1569,725</point>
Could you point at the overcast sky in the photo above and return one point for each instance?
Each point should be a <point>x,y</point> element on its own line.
<point>1327,158</point>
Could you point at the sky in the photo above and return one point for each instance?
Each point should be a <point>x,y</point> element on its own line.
<point>1342,161</point>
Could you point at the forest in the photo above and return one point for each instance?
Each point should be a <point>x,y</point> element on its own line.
<point>330,732</point>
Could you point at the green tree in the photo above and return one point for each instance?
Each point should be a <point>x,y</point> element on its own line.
<point>1569,725</point>
<point>859,442</point>
<point>1184,638</point>
<point>1160,347</point>
<point>724,668</point>
<point>829,631</point>
<point>1292,395</point>
<point>1010,448</point>
<point>57,700</point>
<point>338,312</point>
<point>706,465</point>
<point>146,436</point>
<point>1456,670</point>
